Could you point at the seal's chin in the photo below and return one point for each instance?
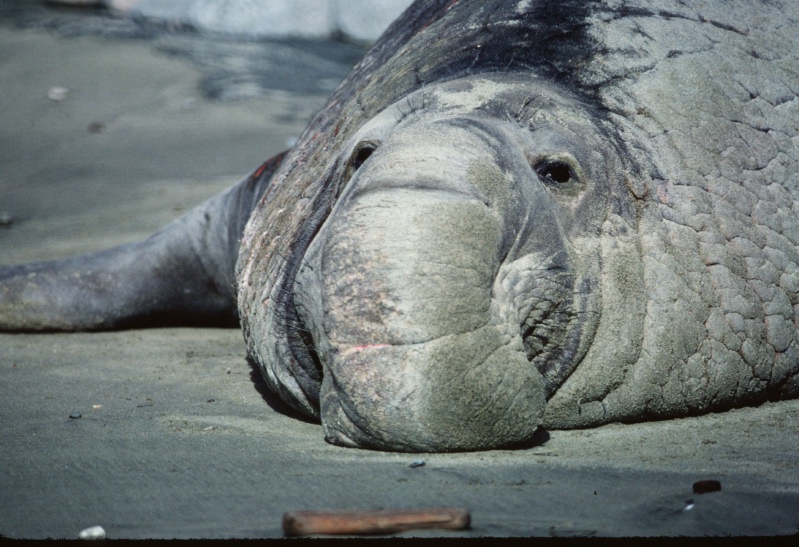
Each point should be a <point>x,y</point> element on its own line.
<point>341,430</point>
<point>466,391</point>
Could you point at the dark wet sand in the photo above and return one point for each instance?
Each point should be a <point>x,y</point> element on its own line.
<point>176,439</point>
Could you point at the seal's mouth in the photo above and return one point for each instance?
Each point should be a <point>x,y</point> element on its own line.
<point>360,391</point>
<point>305,360</point>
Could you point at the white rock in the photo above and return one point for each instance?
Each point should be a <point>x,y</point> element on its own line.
<point>95,532</point>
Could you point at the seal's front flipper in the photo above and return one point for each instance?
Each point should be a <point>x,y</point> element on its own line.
<point>183,274</point>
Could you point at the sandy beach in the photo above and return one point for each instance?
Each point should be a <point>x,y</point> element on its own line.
<point>107,135</point>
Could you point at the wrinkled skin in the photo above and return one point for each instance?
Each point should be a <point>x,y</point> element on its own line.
<point>510,214</point>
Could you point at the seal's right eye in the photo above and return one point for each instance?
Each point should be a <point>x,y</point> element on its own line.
<point>555,171</point>
<point>361,154</point>
<point>560,173</point>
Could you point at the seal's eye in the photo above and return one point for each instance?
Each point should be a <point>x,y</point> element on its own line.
<point>555,171</point>
<point>361,154</point>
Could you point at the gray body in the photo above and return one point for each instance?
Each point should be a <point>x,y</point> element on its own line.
<point>510,214</point>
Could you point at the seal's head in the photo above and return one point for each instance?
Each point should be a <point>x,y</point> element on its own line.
<point>452,286</point>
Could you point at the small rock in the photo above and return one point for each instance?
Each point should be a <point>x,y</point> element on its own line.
<point>95,532</point>
<point>703,487</point>
<point>57,93</point>
<point>5,219</point>
<point>95,127</point>
<point>416,463</point>
<point>75,415</point>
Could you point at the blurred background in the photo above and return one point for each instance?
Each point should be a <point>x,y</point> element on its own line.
<point>356,20</point>
<point>119,115</point>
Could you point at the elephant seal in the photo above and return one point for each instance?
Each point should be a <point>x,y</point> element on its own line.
<point>511,213</point>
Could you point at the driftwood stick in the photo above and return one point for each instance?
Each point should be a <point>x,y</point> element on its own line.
<point>389,521</point>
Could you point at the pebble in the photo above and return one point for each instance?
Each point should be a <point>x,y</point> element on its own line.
<point>95,532</point>
<point>416,463</point>
<point>57,93</point>
<point>75,415</point>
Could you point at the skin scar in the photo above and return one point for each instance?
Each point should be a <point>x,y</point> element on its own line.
<point>369,346</point>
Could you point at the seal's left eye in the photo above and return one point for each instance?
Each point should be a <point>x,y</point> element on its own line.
<point>361,154</point>
<point>555,171</point>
